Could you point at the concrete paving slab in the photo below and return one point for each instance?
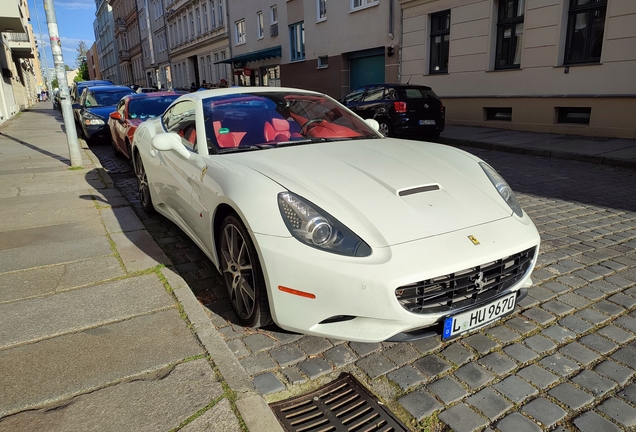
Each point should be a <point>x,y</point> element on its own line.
<point>53,253</point>
<point>218,418</point>
<point>15,221</point>
<point>46,235</point>
<point>44,203</point>
<point>29,283</point>
<point>54,370</point>
<point>160,404</point>
<point>120,219</point>
<point>72,311</point>
<point>46,280</point>
<point>138,250</point>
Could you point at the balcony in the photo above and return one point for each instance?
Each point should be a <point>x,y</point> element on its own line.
<point>120,25</point>
<point>124,55</point>
<point>19,44</point>
<point>10,18</point>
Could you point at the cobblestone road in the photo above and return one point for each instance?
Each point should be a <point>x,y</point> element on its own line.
<point>564,360</point>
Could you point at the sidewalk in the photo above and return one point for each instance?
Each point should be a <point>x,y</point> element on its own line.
<point>97,332</point>
<point>606,151</point>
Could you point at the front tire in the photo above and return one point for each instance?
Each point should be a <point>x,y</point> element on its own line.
<point>242,274</point>
<point>142,185</point>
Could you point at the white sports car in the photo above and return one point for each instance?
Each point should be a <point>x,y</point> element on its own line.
<point>319,223</point>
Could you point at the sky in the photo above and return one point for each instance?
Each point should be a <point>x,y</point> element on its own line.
<point>75,23</point>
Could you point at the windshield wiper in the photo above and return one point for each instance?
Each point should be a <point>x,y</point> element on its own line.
<point>245,148</point>
<point>310,141</point>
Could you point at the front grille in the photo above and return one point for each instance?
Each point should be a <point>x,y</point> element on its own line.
<point>342,405</point>
<point>466,287</point>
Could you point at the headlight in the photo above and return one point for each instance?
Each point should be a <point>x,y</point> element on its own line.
<point>92,119</point>
<point>318,229</point>
<point>503,188</point>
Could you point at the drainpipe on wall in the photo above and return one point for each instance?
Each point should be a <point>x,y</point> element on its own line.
<point>401,45</point>
<point>229,38</point>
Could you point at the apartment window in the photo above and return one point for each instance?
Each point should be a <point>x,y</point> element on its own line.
<point>586,25</point>
<point>220,12</point>
<point>218,66</point>
<point>575,115</point>
<point>297,41</point>
<point>125,44</point>
<point>198,14</point>
<point>321,10</point>
<point>158,9</point>
<point>440,42</point>
<point>274,14</point>
<point>223,68</point>
<point>180,31</point>
<point>240,31</point>
<point>142,22</point>
<point>192,25</point>
<point>260,24</point>
<point>323,62</point>
<point>509,33</point>
<point>357,4</point>
<point>499,114</point>
<point>204,10</point>
<point>145,50</point>
<point>212,15</point>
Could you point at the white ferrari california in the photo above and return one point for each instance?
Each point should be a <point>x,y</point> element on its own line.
<point>319,223</point>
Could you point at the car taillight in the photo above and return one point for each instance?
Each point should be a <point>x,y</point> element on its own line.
<point>400,107</point>
<point>442,108</point>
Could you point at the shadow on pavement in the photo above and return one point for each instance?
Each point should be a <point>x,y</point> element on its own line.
<point>38,149</point>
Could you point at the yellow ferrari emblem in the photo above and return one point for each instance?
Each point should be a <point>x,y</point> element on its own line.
<point>474,240</point>
<point>203,171</point>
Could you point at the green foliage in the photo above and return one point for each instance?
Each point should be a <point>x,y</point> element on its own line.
<point>82,73</point>
<point>55,84</point>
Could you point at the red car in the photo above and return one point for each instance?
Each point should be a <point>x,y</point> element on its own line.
<point>131,111</point>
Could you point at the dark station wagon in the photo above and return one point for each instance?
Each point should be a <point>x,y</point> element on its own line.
<point>400,109</point>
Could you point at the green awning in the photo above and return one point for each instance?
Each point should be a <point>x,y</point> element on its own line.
<point>254,55</point>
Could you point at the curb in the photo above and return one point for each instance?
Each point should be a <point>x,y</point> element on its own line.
<point>254,410</point>
<point>557,154</point>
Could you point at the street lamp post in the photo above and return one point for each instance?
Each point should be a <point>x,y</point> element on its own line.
<point>65,102</point>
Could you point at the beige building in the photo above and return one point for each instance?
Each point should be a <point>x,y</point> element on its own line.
<point>197,42</point>
<point>127,35</point>
<point>92,61</point>
<point>562,66</point>
<point>20,79</point>
<point>330,47</point>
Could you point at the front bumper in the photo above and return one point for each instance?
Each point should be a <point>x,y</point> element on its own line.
<point>355,297</point>
<point>96,132</point>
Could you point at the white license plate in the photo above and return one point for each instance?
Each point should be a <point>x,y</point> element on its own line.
<point>427,122</point>
<point>475,318</point>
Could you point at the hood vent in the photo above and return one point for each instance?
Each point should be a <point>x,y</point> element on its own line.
<point>417,190</point>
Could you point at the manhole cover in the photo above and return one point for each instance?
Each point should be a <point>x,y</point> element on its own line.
<point>342,405</point>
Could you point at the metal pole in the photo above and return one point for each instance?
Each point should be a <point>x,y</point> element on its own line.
<point>47,78</point>
<point>65,102</point>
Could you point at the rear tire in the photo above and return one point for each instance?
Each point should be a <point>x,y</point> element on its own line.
<point>242,274</point>
<point>142,185</point>
<point>385,127</point>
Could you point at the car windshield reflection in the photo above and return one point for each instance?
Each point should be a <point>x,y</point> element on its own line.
<point>149,107</point>
<point>267,120</point>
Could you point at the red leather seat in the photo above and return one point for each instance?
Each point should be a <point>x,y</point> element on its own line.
<point>276,130</point>
<point>229,139</point>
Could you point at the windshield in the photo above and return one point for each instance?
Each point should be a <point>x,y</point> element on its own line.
<point>149,107</point>
<point>273,118</point>
<point>99,98</point>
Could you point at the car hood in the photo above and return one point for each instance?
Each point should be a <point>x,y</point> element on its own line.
<point>134,122</point>
<point>388,191</point>
<point>102,112</point>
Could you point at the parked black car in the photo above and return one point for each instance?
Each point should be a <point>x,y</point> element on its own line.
<point>401,109</point>
<point>93,109</point>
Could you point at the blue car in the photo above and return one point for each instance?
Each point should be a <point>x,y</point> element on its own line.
<point>93,109</point>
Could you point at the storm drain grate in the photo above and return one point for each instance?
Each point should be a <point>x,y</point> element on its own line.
<point>342,405</point>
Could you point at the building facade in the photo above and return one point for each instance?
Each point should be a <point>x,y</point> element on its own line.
<point>331,47</point>
<point>107,50</point>
<point>21,79</point>
<point>128,38</point>
<point>92,61</point>
<point>198,41</point>
<point>155,44</point>
<point>562,66</point>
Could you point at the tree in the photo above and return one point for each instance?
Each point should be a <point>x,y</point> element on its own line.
<point>67,68</point>
<point>54,83</point>
<point>82,72</point>
<point>82,49</point>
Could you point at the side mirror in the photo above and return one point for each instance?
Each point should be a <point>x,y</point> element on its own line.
<point>170,141</point>
<point>373,123</point>
<point>115,116</point>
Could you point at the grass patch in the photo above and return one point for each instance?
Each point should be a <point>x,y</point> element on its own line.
<point>432,424</point>
<point>77,168</point>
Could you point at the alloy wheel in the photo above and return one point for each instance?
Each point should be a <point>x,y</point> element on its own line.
<point>238,271</point>
<point>142,183</point>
